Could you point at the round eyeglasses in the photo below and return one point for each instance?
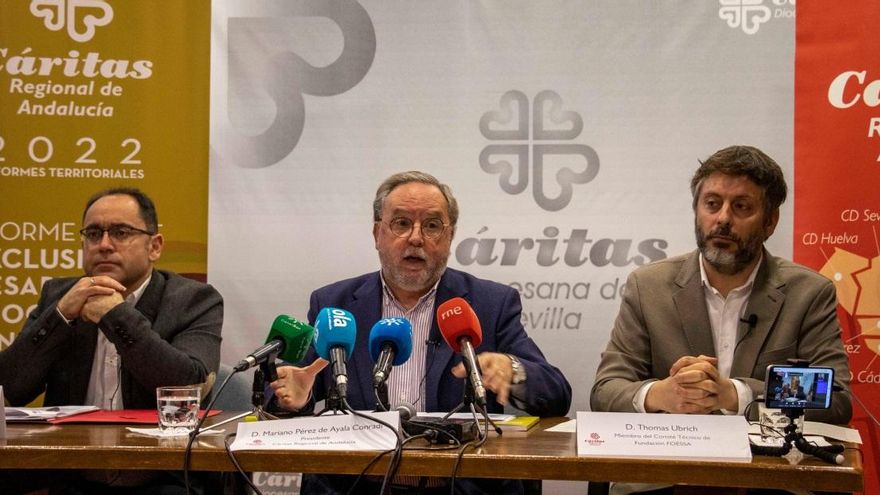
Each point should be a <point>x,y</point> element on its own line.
<point>431,228</point>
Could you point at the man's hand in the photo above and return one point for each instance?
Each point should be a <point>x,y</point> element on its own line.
<point>71,305</point>
<point>497,372</point>
<point>97,306</point>
<point>693,387</point>
<point>294,385</point>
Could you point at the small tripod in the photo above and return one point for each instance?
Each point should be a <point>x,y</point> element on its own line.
<point>831,454</point>
<point>266,370</point>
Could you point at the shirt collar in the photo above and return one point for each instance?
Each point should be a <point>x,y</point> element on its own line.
<point>135,296</point>
<point>389,294</point>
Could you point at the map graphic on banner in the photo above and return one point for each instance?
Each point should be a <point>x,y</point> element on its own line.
<point>97,94</point>
<point>837,171</point>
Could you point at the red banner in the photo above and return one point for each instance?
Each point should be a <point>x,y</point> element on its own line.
<point>837,174</point>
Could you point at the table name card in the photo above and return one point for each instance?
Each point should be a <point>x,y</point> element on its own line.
<point>668,436</point>
<point>334,432</point>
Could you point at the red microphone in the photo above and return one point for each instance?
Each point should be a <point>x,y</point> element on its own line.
<point>461,329</point>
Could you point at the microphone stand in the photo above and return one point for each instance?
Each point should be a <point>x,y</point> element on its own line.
<point>333,402</point>
<point>382,402</point>
<point>467,401</point>
<point>258,395</point>
<point>794,438</point>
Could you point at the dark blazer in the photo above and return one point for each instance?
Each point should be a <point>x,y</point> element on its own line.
<point>663,317</point>
<point>499,310</point>
<point>171,337</point>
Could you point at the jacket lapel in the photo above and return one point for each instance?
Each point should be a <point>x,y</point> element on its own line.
<point>366,305</point>
<point>690,303</point>
<point>765,302</point>
<point>439,355</point>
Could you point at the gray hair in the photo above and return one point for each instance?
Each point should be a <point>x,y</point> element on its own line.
<point>402,178</point>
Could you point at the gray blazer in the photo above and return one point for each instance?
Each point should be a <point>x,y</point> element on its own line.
<point>663,317</point>
<point>171,337</point>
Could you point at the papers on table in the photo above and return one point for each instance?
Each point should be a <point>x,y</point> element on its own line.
<point>44,414</point>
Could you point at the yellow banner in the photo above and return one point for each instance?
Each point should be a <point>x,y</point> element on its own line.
<point>97,94</point>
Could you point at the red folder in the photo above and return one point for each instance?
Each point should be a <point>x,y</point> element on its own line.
<point>123,416</point>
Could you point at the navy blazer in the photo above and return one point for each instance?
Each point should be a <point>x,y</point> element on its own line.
<point>498,308</point>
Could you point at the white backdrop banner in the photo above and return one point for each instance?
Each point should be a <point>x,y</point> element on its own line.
<point>568,131</point>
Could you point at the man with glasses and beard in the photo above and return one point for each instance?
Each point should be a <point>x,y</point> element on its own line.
<point>111,337</point>
<point>414,220</point>
<point>696,332</point>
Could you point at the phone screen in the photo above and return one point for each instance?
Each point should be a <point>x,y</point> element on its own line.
<point>798,387</point>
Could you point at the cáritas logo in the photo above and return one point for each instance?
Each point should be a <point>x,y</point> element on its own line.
<point>543,141</point>
<point>748,15</point>
<point>79,17</point>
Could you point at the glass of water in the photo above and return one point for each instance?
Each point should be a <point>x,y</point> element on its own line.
<point>178,408</point>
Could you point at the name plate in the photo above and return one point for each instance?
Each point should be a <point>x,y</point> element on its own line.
<point>336,432</point>
<point>668,436</point>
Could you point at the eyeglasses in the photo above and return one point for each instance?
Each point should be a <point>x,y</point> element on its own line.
<point>118,233</point>
<point>431,228</point>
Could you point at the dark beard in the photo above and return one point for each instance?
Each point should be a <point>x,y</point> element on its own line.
<point>729,264</point>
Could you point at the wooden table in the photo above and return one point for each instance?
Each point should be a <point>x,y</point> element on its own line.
<point>536,454</point>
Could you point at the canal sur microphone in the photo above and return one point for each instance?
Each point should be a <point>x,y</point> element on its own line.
<point>390,345</point>
<point>288,339</point>
<point>461,329</point>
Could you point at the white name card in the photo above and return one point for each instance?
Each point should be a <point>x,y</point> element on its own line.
<point>336,432</point>
<point>669,436</point>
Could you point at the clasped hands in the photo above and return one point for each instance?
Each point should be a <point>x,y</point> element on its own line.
<point>294,384</point>
<point>693,386</point>
<point>91,298</point>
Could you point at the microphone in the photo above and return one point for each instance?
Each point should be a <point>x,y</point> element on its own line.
<point>752,320</point>
<point>407,411</point>
<point>461,330</point>
<point>335,332</point>
<point>390,345</point>
<point>288,339</point>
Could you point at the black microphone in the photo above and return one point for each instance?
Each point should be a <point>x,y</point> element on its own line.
<point>406,410</point>
<point>752,320</point>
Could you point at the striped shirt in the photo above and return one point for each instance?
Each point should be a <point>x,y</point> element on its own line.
<point>407,381</point>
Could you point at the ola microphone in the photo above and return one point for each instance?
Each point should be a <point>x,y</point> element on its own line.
<point>390,345</point>
<point>461,329</point>
<point>335,332</point>
<point>288,339</point>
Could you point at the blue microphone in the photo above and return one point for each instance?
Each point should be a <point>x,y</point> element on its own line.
<point>390,345</point>
<point>335,332</point>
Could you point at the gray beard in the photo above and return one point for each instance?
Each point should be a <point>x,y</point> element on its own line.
<point>730,263</point>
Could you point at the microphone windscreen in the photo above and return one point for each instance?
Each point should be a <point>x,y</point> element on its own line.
<point>456,319</point>
<point>334,327</point>
<point>296,336</point>
<point>395,331</point>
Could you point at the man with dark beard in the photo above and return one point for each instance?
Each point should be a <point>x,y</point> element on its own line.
<point>695,333</point>
<point>414,220</point>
